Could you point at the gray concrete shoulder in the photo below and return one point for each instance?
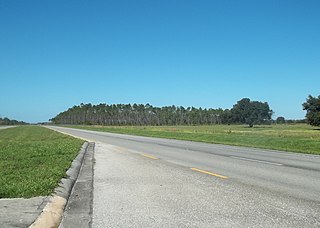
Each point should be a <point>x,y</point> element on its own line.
<point>20,212</point>
<point>78,212</point>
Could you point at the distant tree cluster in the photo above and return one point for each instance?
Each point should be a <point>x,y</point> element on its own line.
<point>137,114</point>
<point>7,121</point>
<point>244,112</point>
<point>282,120</point>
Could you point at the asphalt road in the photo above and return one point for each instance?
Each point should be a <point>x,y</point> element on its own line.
<point>5,127</point>
<point>151,182</point>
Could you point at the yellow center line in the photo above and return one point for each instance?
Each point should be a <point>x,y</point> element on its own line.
<point>149,156</point>
<point>212,174</point>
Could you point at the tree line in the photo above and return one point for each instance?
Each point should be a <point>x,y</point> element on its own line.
<point>7,121</point>
<point>243,112</point>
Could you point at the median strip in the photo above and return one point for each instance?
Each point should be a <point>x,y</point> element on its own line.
<point>149,156</point>
<point>209,173</point>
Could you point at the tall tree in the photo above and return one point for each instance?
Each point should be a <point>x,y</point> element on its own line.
<point>312,106</point>
<point>251,112</point>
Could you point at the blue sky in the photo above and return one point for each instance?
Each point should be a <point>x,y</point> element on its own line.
<point>56,54</point>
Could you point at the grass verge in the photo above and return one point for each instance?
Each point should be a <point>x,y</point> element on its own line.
<point>33,160</point>
<point>300,138</point>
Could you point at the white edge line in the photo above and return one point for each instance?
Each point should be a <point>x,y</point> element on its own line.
<point>254,160</point>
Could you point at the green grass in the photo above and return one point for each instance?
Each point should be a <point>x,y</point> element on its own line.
<point>300,138</point>
<point>33,159</point>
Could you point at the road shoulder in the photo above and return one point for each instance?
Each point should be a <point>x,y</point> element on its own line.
<point>78,211</point>
<point>19,212</point>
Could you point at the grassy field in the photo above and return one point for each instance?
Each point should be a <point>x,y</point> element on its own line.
<point>33,159</point>
<point>296,137</point>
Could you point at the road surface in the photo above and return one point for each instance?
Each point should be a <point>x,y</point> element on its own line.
<point>152,182</point>
<point>5,127</point>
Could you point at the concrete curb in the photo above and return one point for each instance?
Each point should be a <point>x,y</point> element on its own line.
<point>53,211</point>
<point>78,210</point>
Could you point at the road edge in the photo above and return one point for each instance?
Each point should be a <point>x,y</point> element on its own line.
<point>52,213</point>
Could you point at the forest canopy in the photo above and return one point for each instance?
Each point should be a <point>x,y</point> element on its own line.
<point>244,112</point>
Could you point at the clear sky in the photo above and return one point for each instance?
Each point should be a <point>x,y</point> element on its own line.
<point>56,54</point>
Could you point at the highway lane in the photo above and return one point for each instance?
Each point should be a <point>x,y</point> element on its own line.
<point>6,127</point>
<point>277,188</point>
